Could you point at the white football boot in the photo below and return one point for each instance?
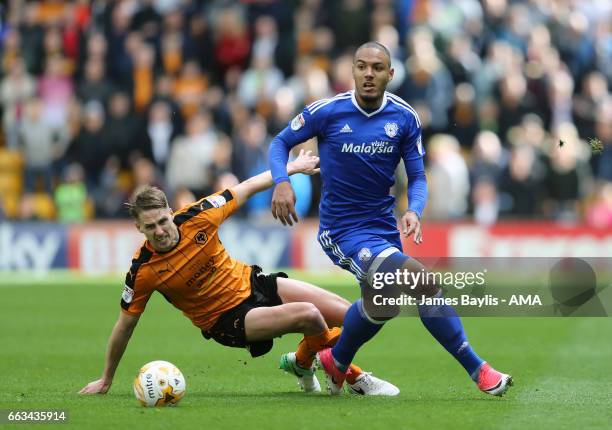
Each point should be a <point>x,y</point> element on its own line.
<point>367,384</point>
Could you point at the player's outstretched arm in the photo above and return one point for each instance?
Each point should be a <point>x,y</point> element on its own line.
<point>305,163</point>
<point>124,327</point>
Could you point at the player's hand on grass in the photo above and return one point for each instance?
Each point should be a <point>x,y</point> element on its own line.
<point>99,386</point>
<point>304,163</point>
<point>411,225</point>
<point>283,203</point>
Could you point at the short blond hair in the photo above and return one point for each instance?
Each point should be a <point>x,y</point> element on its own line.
<point>146,198</point>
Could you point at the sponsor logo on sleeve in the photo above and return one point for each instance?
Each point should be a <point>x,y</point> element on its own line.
<point>216,201</point>
<point>297,122</point>
<point>128,294</point>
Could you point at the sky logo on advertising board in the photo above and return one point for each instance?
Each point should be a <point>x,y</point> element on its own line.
<point>376,147</point>
<point>23,249</point>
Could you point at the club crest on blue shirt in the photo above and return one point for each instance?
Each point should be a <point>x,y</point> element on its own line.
<point>364,254</point>
<point>297,122</point>
<point>391,129</point>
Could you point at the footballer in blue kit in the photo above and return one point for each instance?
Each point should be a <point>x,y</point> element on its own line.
<point>359,151</point>
<point>362,135</point>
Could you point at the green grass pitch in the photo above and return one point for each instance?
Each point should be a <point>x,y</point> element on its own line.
<point>53,336</point>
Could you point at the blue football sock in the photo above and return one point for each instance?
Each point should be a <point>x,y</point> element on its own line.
<point>445,325</point>
<point>356,331</point>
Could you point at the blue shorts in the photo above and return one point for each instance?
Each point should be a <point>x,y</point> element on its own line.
<point>354,251</point>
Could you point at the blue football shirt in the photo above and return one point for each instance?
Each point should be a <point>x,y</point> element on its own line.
<point>359,153</point>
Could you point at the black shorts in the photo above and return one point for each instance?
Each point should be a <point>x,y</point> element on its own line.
<point>229,329</point>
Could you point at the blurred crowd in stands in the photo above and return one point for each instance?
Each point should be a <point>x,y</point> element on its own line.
<point>99,97</point>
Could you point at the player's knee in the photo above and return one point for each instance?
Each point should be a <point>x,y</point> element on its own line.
<point>309,319</point>
<point>424,285</point>
<point>399,274</point>
<point>380,304</point>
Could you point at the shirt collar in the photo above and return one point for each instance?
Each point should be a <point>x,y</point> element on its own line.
<point>382,105</point>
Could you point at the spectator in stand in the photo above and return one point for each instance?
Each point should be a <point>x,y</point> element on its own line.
<point>94,85</point>
<point>485,202</point>
<point>515,102</point>
<point>70,196</point>
<point>157,136</point>
<point>265,38</point>
<point>232,41</point>
<point>15,89</point>
<point>462,61</point>
<point>349,20</point>
<point>122,45</point>
<point>341,74</point>
<point>97,48</point>
<point>585,104</point>
<point>89,147</point>
<point>32,34</point>
<point>146,19</point>
<point>121,128</point>
<point>568,174</point>
<point>143,75</point>
<point>190,88</point>
<point>448,179</point>
<point>52,47</point>
<point>251,158</point>
<point>27,208</point>
<point>428,82</point>
<point>191,156</point>
<point>519,188</point>
<point>488,158</point>
<point>533,132</point>
<point>40,144</point>
<point>259,83</point>
<point>56,90</point>
<point>144,173</point>
<point>74,20</point>
<point>163,92</point>
<point>561,89</point>
<point>463,118</point>
<point>199,45</point>
<point>10,49</point>
<point>576,44</point>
